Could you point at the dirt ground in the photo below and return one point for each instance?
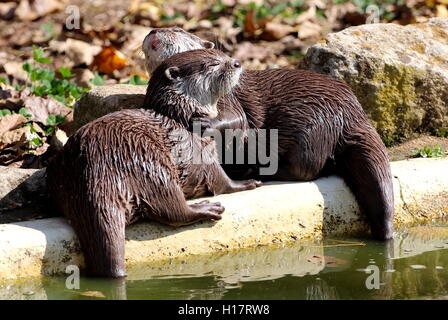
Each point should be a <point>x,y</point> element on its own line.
<point>406,150</point>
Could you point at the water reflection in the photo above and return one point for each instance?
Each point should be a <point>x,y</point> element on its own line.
<point>329,270</point>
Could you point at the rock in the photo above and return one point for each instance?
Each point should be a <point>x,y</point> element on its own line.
<point>399,73</point>
<point>20,186</point>
<point>102,100</point>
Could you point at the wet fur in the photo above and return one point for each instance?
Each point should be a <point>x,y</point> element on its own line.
<point>322,129</point>
<point>121,168</point>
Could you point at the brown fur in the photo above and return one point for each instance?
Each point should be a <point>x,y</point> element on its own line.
<point>121,168</point>
<point>321,125</point>
<point>322,129</point>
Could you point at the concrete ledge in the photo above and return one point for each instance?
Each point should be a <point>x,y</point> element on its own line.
<point>277,212</point>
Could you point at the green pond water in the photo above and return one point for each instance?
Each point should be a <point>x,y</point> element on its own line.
<point>412,266</point>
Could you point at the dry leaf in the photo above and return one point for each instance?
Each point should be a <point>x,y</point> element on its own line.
<point>308,30</point>
<point>276,31</point>
<point>79,52</point>
<point>32,9</point>
<point>7,10</point>
<point>109,59</point>
<point>59,139</point>
<point>247,50</point>
<point>11,121</point>
<point>17,136</point>
<point>40,108</point>
<point>15,69</point>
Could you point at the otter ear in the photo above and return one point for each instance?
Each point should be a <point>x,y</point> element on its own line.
<point>172,73</point>
<point>208,44</point>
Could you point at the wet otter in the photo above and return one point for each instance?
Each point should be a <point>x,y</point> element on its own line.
<point>321,126</point>
<point>137,164</point>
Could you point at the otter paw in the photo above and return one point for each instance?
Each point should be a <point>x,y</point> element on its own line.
<point>245,185</point>
<point>208,210</point>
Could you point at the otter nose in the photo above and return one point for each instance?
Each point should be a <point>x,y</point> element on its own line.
<point>236,64</point>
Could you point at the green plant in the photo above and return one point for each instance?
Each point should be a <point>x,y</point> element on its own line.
<point>44,82</point>
<point>48,30</point>
<point>428,152</point>
<point>4,112</point>
<point>285,9</point>
<point>136,80</point>
<point>97,80</point>
<point>165,18</point>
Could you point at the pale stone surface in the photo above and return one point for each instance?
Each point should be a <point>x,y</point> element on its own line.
<point>274,213</point>
<point>399,73</point>
<point>102,100</point>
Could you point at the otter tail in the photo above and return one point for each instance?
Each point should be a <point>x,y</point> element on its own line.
<point>364,165</point>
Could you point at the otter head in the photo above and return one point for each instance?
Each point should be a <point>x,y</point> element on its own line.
<point>190,83</point>
<point>162,43</point>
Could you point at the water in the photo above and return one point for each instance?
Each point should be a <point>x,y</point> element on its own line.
<point>412,266</point>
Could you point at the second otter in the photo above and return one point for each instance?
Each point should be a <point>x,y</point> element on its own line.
<point>137,164</point>
<point>321,125</point>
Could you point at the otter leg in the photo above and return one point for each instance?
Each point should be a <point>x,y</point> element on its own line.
<point>101,232</point>
<point>365,168</point>
<point>218,182</point>
<point>170,207</point>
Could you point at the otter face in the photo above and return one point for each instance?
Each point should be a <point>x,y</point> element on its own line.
<point>203,75</point>
<point>162,43</point>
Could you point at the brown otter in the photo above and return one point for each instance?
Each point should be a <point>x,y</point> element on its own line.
<point>137,164</point>
<point>322,128</point>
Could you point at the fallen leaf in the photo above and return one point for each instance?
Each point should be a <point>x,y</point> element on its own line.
<point>14,137</point>
<point>15,69</point>
<point>109,60</point>
<point>40,108</point>
<point>276,31</point>
<point>11,121</point>
<point>247,50</point>
<point>80,52</point>
<point>59,139</point>
<point>309,29</point>
<point>7,10</point>
<point>32,9</point>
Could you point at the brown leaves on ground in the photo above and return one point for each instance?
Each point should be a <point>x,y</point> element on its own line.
<point>261,33</point>
<point>40,108</point>
<point>23,140</point>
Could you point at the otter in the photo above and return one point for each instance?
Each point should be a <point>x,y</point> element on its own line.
<point>138,164</point>
<point>322,128</point>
